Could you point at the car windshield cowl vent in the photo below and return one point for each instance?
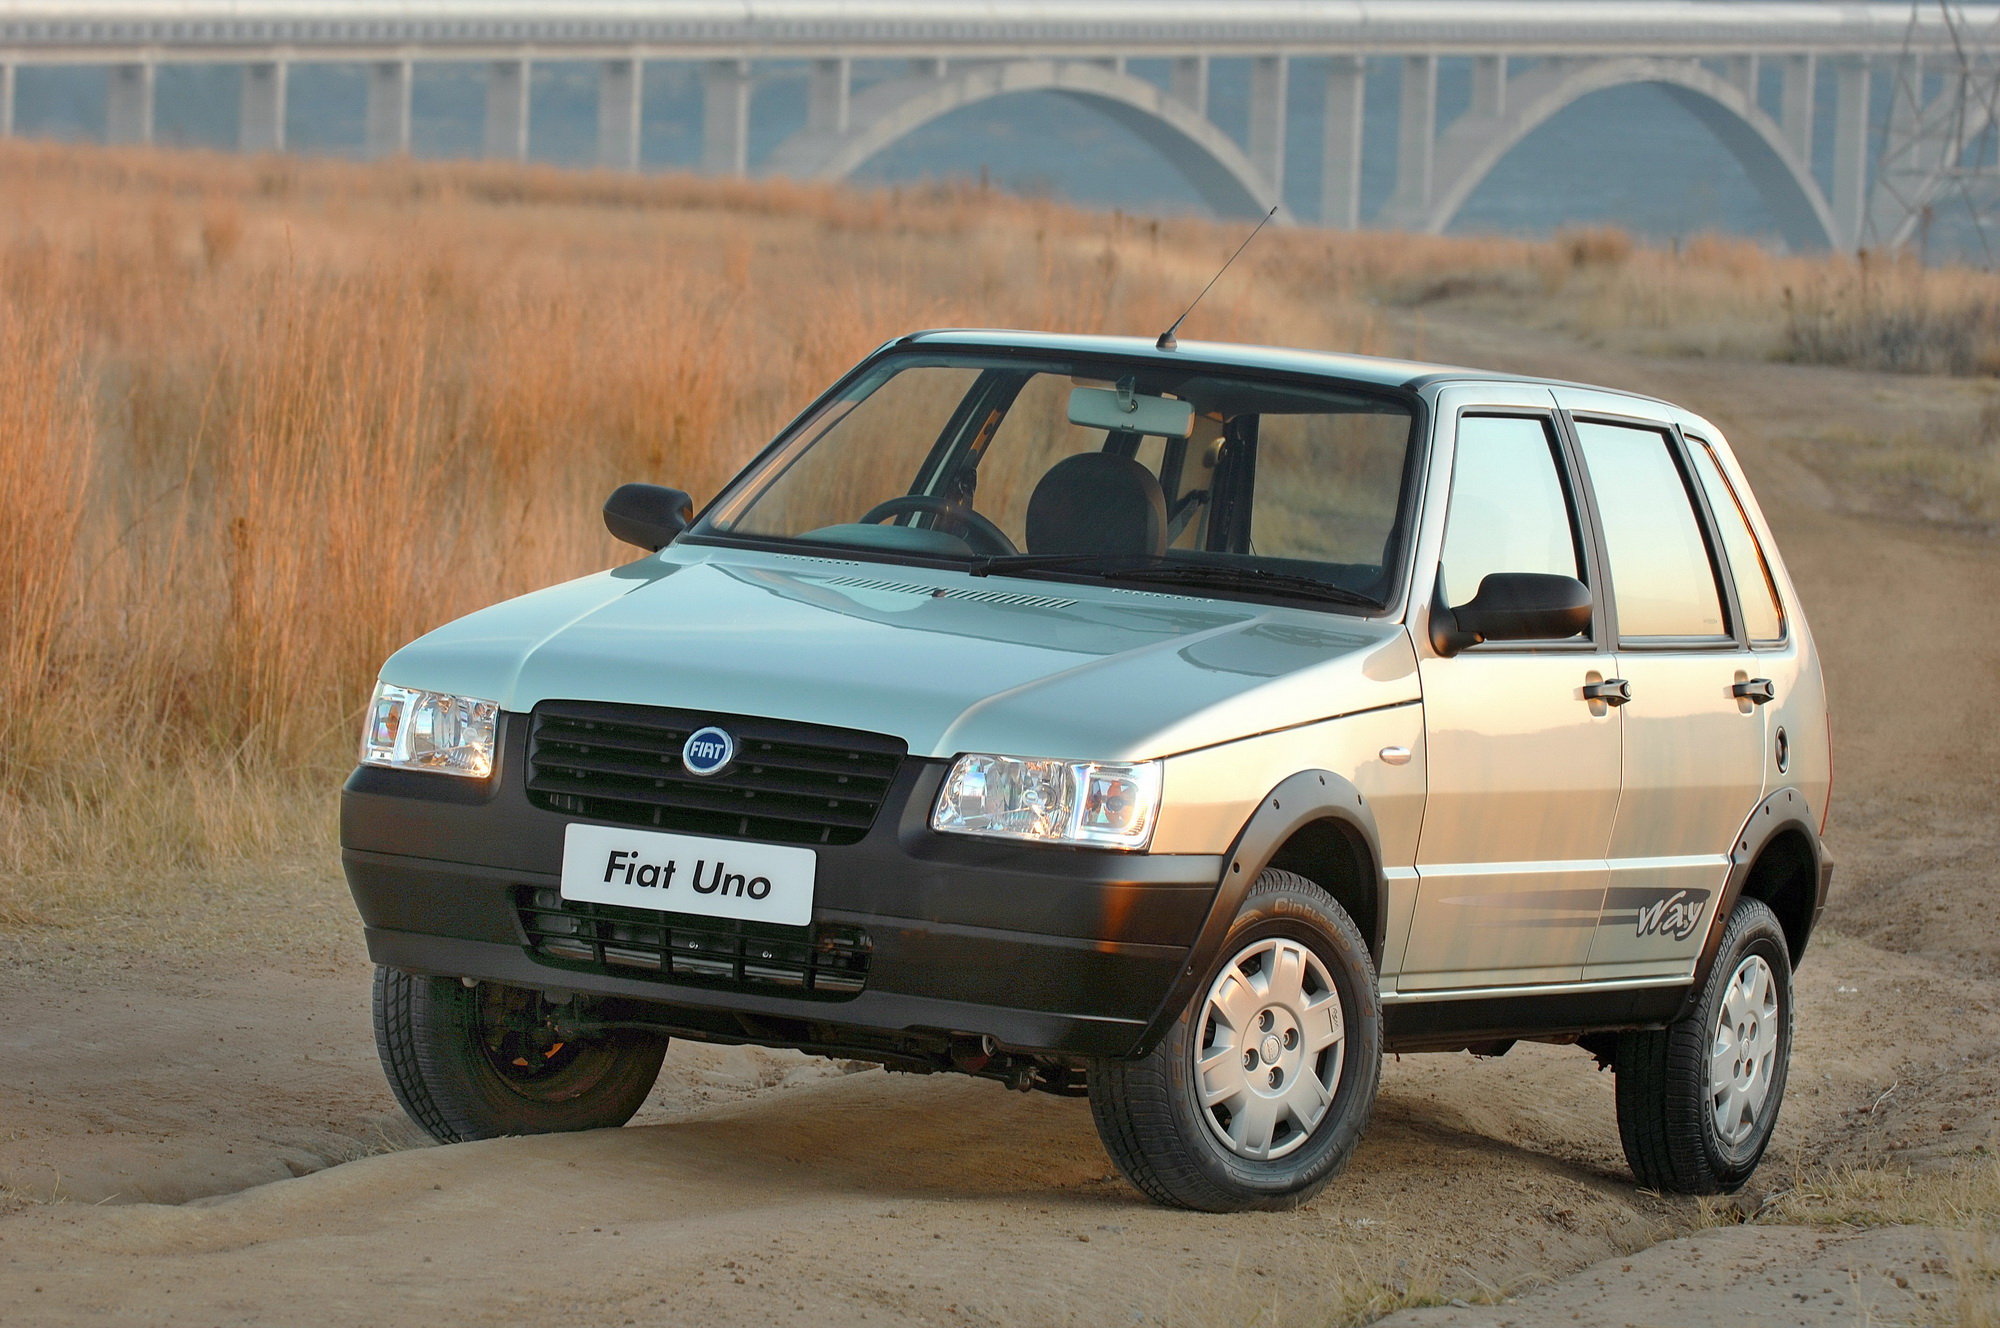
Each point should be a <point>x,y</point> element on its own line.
<point>964,594</point>
<point>787,782</point>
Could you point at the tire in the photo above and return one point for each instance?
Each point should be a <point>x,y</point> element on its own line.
<point>1150,1112</point>
<point>1688,1133</point>
<point>485,1062</point>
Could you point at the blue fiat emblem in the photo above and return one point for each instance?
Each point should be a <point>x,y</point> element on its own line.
<point>708,751</point>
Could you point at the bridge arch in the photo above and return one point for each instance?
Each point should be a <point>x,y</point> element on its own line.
<point>1474,144</point>
<point>1211,162</point>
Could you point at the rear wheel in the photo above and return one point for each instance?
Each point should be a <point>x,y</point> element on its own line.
<point>486,1061</point>
<point>1698,1100</point>
<point>1258,1094</point>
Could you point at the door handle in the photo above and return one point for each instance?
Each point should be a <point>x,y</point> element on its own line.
<point>1759,690</point>
<point>1612,691</point>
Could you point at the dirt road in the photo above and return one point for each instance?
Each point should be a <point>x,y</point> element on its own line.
<point>226,1054</point>
<point>766,1187</point>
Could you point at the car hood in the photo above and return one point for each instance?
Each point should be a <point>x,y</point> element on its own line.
<point>947,662</point>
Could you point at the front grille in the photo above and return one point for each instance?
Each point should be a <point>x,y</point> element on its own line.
<point>790,783</point>
<point>823,960</point>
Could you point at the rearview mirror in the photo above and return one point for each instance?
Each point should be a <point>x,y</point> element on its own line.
<point>647,515</point>
<point>1511,606</point>
<point>1125,411</point>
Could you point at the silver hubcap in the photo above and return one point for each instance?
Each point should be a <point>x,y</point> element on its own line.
<point>1267,1061</point>
<point>1744,1054</point>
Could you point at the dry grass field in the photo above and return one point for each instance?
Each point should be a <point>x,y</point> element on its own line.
<point>263,421</point>
<point>267,420</point>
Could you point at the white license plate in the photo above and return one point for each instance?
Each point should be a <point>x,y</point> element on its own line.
<point>718,878</point>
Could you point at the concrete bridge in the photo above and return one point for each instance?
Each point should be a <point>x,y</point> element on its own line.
<point>1748,71</point>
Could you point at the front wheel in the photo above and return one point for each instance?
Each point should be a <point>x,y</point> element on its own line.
<point>488,1061</point>
<point>1259,1093</point>
<point>1697,1100</point>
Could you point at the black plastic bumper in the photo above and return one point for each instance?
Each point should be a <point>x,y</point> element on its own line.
<point>1043,949</point>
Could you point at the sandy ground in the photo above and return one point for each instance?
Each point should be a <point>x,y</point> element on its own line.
<point>175,1106</point>
<point>1735,1276</point>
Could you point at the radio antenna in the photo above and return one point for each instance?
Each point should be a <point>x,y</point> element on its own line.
<point>1166,341</point>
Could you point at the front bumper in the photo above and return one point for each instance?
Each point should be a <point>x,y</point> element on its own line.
<point>1067,951</point>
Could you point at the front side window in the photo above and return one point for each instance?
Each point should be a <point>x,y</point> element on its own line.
<point>1756,591</point>
<point>1179,476</point>
<point>1509,509</point>
<point>1661,575</point>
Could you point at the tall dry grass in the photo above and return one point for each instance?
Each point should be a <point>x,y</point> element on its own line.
<point>262,421</point>
<point>1718,295</point>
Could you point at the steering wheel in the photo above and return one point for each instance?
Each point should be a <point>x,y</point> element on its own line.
<point>976,530</point>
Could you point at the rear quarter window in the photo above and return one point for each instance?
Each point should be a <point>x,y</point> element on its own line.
<point>1756,589</point>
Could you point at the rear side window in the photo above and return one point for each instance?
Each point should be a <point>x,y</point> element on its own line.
<point>1661,574</point>
<point>1756,591</point>
<point>1510,511</point>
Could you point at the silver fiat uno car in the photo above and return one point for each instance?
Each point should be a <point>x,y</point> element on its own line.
<point>1182,727</point>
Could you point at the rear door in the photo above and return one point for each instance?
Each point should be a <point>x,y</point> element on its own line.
<point>1523,770</point>
<point>1794,719</point>
<point>1693,748</point>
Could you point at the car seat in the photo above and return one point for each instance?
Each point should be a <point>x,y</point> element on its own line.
<point>1098,502</point>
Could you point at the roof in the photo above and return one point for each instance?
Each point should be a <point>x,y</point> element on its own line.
<point>1374,370</point>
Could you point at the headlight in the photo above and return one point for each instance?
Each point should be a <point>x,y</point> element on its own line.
<point>1067,802</point>
<point>413,730</point>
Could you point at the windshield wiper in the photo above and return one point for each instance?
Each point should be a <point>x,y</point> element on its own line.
<point>1029,562</point>
<point>1148,567</point>
<point>1250,578</point>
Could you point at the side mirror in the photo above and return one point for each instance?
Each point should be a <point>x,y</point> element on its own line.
<point>647,515</point>
<point>1511,606</point>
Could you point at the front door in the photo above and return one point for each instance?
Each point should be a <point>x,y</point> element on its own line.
<point>1523,770</point>
<point>1693,762</point>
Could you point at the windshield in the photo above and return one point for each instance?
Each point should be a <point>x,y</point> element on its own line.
<point>1171,476</point>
